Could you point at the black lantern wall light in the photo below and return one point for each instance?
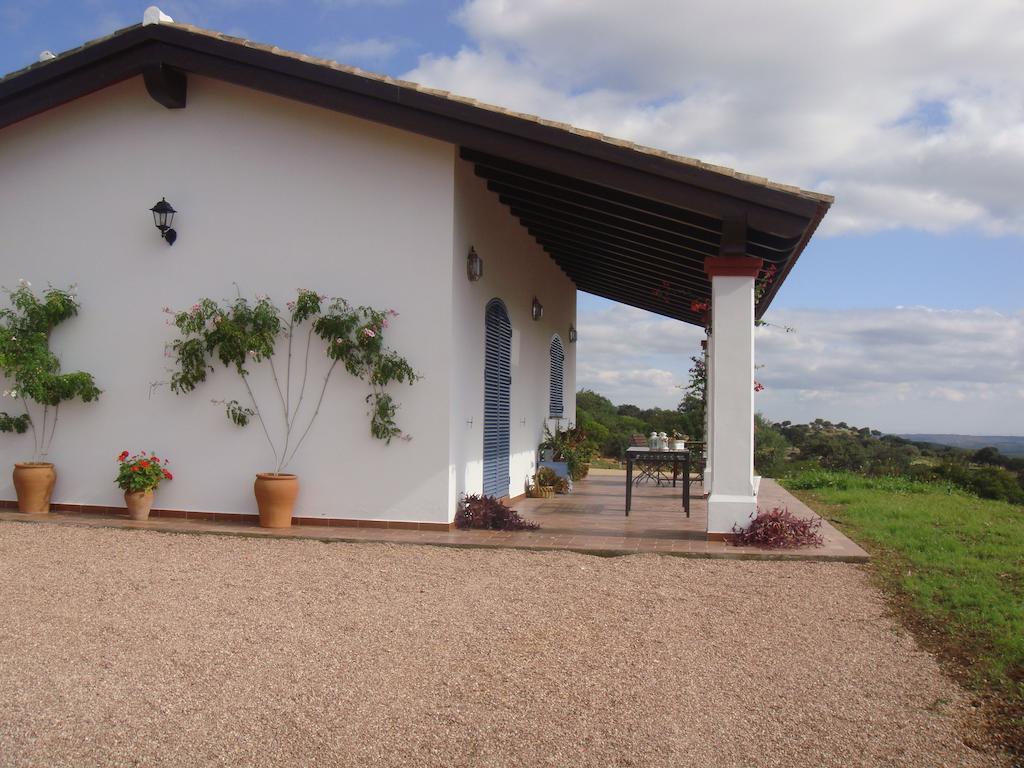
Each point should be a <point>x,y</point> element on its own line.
<point>536,309</point>
<point>474,266</point>
<point>163,216</point>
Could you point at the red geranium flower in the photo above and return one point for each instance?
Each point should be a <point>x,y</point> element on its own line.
<point>144,464</point>
<point>123,456</point>
<point>168,475</point>
<point>135,467</point>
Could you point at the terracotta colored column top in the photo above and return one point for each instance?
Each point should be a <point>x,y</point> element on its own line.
<point>732,266</point>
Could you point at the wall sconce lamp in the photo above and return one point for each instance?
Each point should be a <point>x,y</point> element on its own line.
<point>536,309</point>
<point>474,266</point>
<point>572,333</point>
<point>163,216</point>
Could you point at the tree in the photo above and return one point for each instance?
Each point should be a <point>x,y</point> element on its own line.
<point>241,335</point>
<point>988,455</point>
<point>33,370</point>
<point>770,447</point>
<point>694,403</point>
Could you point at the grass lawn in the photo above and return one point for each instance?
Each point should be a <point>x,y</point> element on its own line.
<point>954,564</point>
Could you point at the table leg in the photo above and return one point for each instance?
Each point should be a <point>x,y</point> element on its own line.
<point>629,484</point>
<point>686,485</point>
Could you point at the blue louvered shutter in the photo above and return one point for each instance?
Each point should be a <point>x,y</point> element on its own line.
<point>556,382</point>
<point>497,390</point>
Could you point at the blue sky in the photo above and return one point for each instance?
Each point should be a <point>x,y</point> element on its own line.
<point>907,304</point>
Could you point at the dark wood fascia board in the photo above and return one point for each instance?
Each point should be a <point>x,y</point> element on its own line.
<point>481,130</point>
<point>96,73</point>
<point>769,295</point>
<point>493,132</point>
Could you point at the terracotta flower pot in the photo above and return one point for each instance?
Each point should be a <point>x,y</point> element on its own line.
<point>139,503</point>
<point>275,497</point>
<point>33,482</point>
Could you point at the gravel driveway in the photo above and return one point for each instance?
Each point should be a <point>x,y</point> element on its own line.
<point>136,648</point>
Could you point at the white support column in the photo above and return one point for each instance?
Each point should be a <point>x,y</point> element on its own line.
<point>708,410</point>
<point>733,495</point>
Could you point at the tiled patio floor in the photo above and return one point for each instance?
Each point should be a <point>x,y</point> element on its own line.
<point>589,520</point>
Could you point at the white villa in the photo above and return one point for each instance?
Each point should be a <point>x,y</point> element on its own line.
<point>290,172</point>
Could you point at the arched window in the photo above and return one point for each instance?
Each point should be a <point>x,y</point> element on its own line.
<point>556,395</point>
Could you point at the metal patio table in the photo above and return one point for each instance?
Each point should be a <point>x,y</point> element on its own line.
<point>651,456</point>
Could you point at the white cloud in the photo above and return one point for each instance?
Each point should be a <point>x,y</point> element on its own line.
<point>911,113</point>
<point>910,369</point>
<point>372,50</point>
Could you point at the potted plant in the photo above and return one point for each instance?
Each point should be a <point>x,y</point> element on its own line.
<point>570,447</point>
<point>544,483</point>
<point>679,440</point>
<point>139,476</point>
<point>35,378</point>
<point>242,334</point>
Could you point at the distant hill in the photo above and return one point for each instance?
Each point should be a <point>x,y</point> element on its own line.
<point>1008,445</point>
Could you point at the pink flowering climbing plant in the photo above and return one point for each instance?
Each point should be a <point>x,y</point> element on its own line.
<point>242,334</point>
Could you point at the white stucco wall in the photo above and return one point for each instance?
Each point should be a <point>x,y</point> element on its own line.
<point>515,270</point>
<point>273,195</point>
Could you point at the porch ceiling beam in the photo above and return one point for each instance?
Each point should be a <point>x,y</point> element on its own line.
<point>502,169</point>
<point>610,257</point>
<point>689,214</point>
<point>598,221</point>
<point>599,208</point>
<point>599,241</point>
<point>626,265</point>
<point>650,290</point>
<point>637,299</point>
<point>734,237</point>
<point>586,261</point>
<point>558,216</point>
<point>639,304</point>
<point>650,287</point>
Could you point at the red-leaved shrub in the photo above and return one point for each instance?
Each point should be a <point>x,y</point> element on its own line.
<point>779,529</point>
<point>487,512</point>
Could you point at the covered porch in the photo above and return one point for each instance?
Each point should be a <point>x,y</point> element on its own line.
<point>700,244</point>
